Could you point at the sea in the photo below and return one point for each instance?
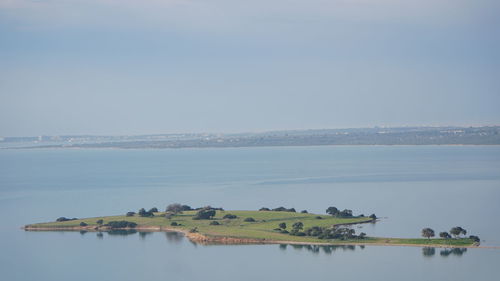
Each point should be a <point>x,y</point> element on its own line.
<point>407,187</point>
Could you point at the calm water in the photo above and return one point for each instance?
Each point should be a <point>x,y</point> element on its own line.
<point>410,187</point>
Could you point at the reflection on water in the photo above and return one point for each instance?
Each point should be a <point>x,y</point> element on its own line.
<point>144,234</point>
<point>430,252</point>
<point>122,232</point>
<point>174,237</point>
<point>327,249</point>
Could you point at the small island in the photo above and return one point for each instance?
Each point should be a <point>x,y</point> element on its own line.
<point>208,225</point>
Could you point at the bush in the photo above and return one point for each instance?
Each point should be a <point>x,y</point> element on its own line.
<point>214,223</point>
<point>130,214</point>
<point>121,224</point>
<point>83,224</point>
<point>193,230</point>
<point>100,222</point>
<point>303,211</point>
<point>474,238</point>
<point>229,216</point>
<point>204,214</point>
<point>282,225</point>
<point>174,223</point>
<point>264,209</point>
<point>318,218</point>
<point>249,220</point>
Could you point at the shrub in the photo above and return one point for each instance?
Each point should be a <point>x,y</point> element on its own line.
<point>214,223</point>
<point>174,223</point>
<point>444,235</point>
<point>83,224</point>
<point>282,225</point>
<point>193,230</point>
<point>318,218</point>
<point>130,214</point>
<point>229,216</point>
<point>303,211</point>
<point>100,222</point>
<point>264,209</point>
<point>298,225</point>
<point>474,238</point>
<point>249,220</point>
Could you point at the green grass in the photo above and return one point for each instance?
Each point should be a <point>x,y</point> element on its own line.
<point>263,228</point>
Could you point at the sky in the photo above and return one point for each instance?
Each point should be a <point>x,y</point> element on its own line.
<point>123,67</point>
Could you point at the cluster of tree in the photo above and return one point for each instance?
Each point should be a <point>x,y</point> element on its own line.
<point>209,207</point>
<point>65,219</point>
<point>205,214</point>
<point>279,209</point>
<point>121,224</point>
<point>177,208</point>
<point>229,216</point>
<point>340,214</point>
<point>341,233</point>
<point>456,231</point>
<point>143,213</point>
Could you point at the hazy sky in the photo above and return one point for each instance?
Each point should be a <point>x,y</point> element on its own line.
<point>161,66</point>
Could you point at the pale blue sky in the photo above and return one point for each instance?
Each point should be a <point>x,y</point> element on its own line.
<point>151,66</point>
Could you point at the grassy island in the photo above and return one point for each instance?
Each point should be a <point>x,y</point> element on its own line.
<point>247,227</point>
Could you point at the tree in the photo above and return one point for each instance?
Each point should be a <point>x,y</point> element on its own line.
<point>304,211</point>
<point>373,216</point>
<point>83,224</point>
<point>204,214</point>
<point>475,238</point>
<point>176,208</point>
<point>444,235</point>
<point>142,212</point>
<point>345,213</point>
<point>264,209</point>
<point>282,225</point>
<point>457,231</point>
<point>427,233</point>
<point>332,211</point>
<point>298,225</point>
<point>130,214</point>
<point>153,210</point>
<point>100,222</point>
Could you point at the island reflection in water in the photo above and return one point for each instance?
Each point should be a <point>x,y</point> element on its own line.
<point>176,238</point>
<point>430,252</point>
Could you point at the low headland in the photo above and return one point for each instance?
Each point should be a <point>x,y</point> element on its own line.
<point>209,225</point>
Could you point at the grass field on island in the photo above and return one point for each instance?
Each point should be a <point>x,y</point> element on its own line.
<point>263,228</point>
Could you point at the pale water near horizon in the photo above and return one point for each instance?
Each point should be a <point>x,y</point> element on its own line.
<point>410,187</point>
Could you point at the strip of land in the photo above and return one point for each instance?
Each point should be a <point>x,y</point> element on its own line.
<point>264,229</point>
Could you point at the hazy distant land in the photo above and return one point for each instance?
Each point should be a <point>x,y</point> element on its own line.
<point>486,135</point>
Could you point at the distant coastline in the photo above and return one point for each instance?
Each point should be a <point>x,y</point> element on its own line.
<point>487,135</point>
